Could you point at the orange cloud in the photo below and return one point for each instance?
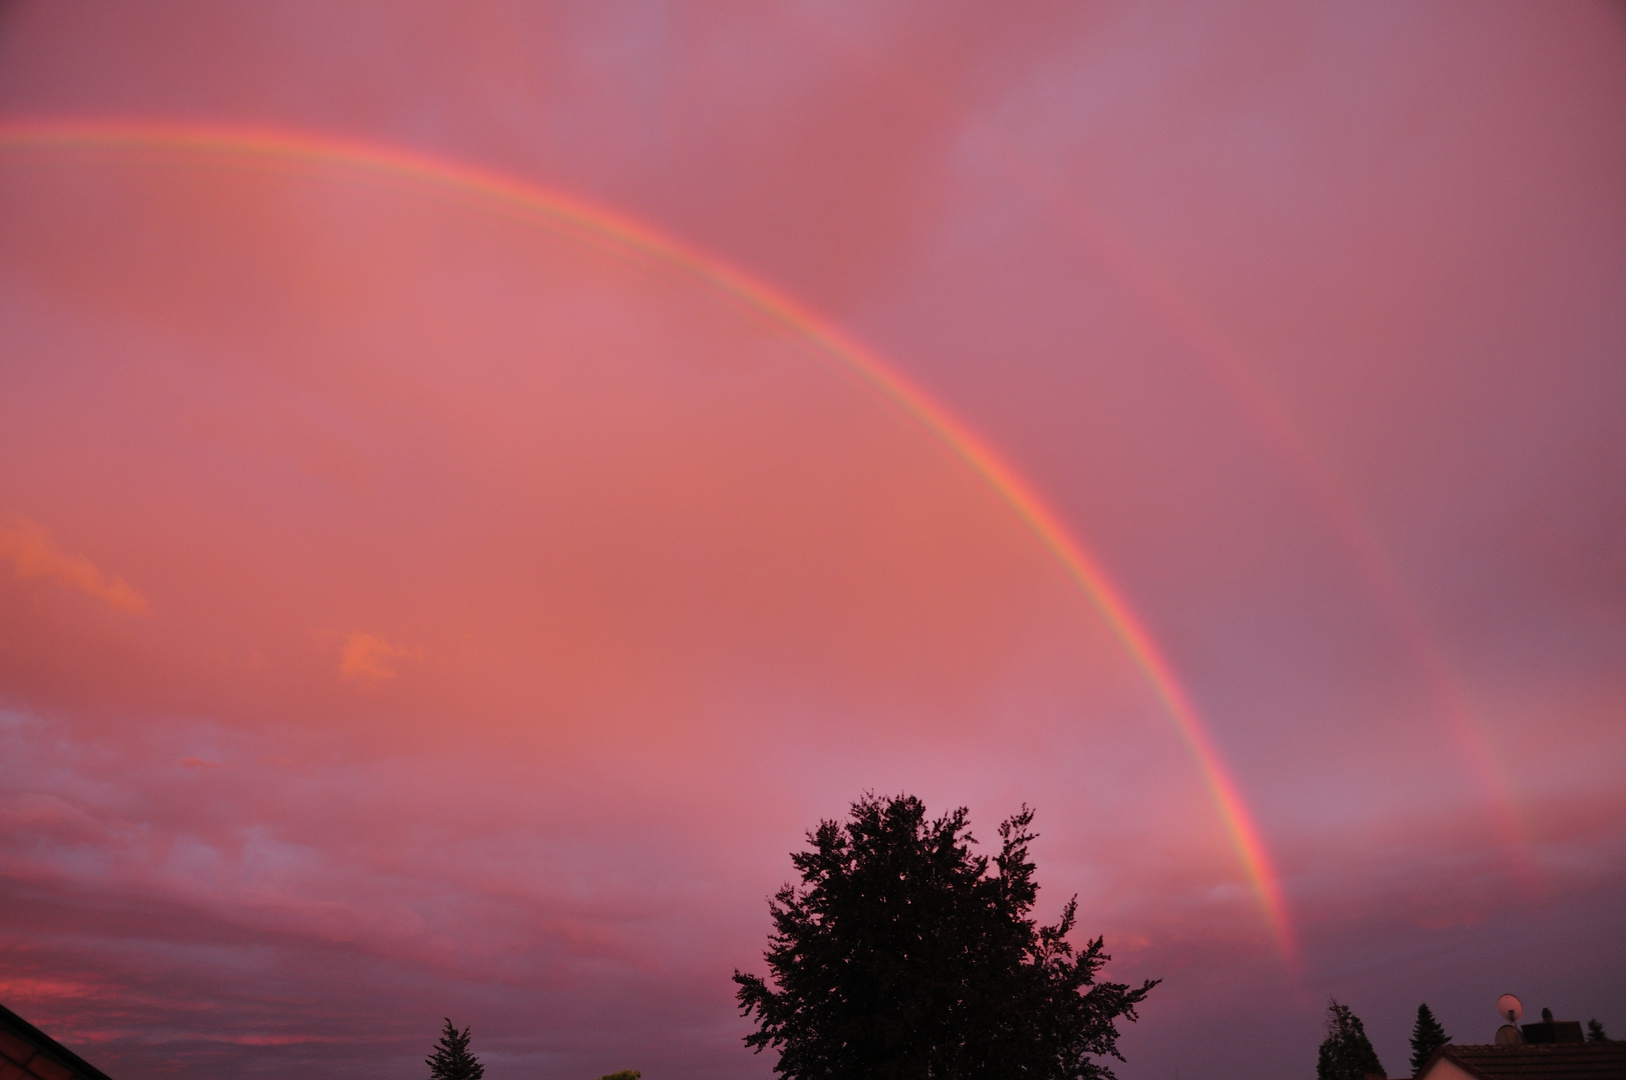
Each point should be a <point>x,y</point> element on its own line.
<point>32,555</point>
<point>367,657</point>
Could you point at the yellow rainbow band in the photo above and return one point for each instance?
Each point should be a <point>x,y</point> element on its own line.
<point>575,215</point>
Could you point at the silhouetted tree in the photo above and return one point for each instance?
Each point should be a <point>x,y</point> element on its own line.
<point>1427,1036</point>
<point>1346,1053</point>
<point>900,957</point>
<point>1594,1031</point>
<point>624,1074</point>
<point>452,1059</point>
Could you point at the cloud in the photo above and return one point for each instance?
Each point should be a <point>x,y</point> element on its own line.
<point>32,555</point>
<point>367,657</point>
<point>689,587</point>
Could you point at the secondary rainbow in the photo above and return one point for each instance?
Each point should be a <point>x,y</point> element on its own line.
<point>595,224</point>
<point>1274,421</point>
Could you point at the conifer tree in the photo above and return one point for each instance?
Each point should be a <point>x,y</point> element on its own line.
<point>1346,1053</point>
<point>1427,1036</point>
<point>901,956</point>
<point>1594,1031</point>
<point>452,1059</point>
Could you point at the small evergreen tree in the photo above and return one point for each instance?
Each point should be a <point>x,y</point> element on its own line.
<point>452,1059</point>
<point>1594,1031</point>
<point>1427,1036</point>
<point>1346,1053</point>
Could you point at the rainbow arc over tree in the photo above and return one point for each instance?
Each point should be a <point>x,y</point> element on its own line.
<point>603,227</point>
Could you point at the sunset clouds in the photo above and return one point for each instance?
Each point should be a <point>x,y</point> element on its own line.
<point>416,600</point>
<point>32,554</point>
<point>367,658</point>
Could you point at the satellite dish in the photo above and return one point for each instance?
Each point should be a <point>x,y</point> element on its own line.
<point>1509,1008</point>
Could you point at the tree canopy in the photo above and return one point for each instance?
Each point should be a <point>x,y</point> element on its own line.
<point>901,957</point>
<point>452,1059</point>
<point>1427,1036</point>
<point>1346,1053</point>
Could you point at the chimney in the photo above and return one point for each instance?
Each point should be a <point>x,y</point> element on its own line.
<point>1553,1031</point>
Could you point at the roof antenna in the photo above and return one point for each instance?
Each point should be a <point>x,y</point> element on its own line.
<point>1509,1008</point>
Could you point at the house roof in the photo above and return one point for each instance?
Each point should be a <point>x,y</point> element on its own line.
<point>27,1053</point>
<point>1538,1061</point>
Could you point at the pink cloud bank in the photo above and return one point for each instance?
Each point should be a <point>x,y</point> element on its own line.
<point>414,612</point>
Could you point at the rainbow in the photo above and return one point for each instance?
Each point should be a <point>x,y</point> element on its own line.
<point>1337,505</point>
<point>603,227</point>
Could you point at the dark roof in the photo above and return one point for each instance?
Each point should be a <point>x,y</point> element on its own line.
<point>27,1052</point>
<point>1539,1061</point>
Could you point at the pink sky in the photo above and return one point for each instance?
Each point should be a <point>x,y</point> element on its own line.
<point>412,604</point>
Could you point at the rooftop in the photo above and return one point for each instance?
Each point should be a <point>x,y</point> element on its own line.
<point>27,1053</point>
<point>1539,1061</point>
